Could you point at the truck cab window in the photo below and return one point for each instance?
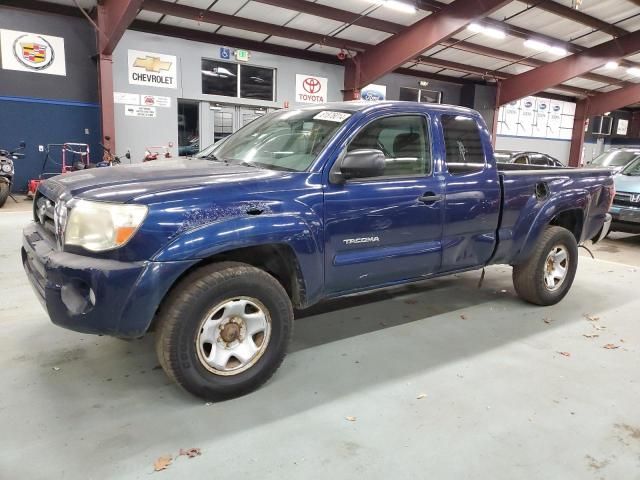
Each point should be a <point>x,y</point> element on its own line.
<point>404,141</point>
<point>464,151</point>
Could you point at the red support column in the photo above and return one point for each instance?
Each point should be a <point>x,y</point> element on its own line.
<point>577,137</point>
<point>107,110</point>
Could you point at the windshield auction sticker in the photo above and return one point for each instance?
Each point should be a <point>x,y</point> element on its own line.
<point>330,116</point>
<point>152,69</point>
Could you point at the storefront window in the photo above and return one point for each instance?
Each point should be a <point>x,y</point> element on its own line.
<point>219,78</point>
<point>256,83</point>
<point>188,128</point>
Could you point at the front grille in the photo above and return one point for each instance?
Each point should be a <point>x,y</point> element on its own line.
<point>629,200</point>
<point>44,213</point>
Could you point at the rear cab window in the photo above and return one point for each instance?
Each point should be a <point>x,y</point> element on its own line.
<point>463,146</point>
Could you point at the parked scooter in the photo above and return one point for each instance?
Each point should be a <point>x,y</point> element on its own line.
<point>7,171</point>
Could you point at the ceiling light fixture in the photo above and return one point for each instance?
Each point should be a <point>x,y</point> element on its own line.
<point>634,71</point>
<point>558,51</point>
<point>611,65</point>
<point>488,31</point>
<point>400,6</point>
<point>536,45</point>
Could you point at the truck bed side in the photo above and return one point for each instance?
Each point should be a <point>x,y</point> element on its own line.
<point>533,198</point>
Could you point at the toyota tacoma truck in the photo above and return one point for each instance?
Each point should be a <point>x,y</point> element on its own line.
<point>214,253</point>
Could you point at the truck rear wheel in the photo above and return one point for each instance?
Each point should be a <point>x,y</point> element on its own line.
<point>224,330</point>
<point>547,275</point>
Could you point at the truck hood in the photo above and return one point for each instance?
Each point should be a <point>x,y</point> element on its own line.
<point>627,183</point>
<point>125,182</point>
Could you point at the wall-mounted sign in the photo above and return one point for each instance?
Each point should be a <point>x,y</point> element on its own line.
<point>139,111</point>
<point>225,53</point>
<point>32,52</point>
<point>623,126</point>
<point>242,55</point>
<point>537,117</point>
<point>311,89</point>
<point>126,98</point>
<point>155,101</point>
<point>374,93</point>
<point>152,69</point>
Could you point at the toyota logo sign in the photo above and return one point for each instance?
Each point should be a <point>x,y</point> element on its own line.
<point>311,85</point>
<point>310,89</point>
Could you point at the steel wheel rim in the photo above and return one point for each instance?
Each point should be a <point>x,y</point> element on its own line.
<point>556,267</point>
<point>233,335</point>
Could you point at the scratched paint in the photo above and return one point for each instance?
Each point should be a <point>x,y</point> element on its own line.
<point>205,216</point>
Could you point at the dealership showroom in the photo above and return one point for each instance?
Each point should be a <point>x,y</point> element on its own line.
<point>311,239</point>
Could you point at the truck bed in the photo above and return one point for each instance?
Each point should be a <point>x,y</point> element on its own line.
<point>531,191</point>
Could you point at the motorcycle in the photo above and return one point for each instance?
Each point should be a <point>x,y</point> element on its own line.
<point>7,171</point>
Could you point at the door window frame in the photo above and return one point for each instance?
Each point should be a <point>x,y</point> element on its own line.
<point>486,165</point>
<point>352,136</point>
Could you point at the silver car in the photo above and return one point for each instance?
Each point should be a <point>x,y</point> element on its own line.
<point>615,159</point>
<point>626,204</point>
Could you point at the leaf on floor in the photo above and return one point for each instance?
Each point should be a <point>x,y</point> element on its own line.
<point>162,463</point>
<point>350,419</point>
<point>595,335</point>
<point>463,317</point>
<point>565,354</point>
<point>190,452</point>
<point>547,320</point>
<point>591,318</point>
<point>611,346</point>
<point>421,396</point>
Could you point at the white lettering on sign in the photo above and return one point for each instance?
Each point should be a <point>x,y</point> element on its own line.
<point>331,116</point>
<point>311,89</point>
<point>152,69</point>
<point>352,241</point>
<point>139,111</point>
<point>126,98</point>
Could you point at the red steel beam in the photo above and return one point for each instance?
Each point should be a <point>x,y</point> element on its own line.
<point>412,41</point>
<point>207,16</point>
<point>117,15</point>
<point>567,68</point>
<point>598,105</point>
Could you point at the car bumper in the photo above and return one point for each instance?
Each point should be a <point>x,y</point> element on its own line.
<point>92,295</point>
<point>625,219</point>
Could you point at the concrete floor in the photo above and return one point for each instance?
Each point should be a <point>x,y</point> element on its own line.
<point>501,401</point>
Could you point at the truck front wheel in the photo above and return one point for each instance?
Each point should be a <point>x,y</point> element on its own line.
<point>547,275</point>
<point>224,330</point>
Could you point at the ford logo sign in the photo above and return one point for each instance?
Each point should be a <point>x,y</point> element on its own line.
<point>371,95</point>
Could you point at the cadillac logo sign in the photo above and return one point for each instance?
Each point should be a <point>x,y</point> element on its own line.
<point>32,52</point>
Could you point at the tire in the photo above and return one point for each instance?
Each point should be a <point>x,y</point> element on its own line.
<point>4,193</point>
<point>533,279</point>
<point>195,323</point>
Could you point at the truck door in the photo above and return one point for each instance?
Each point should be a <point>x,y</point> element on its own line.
<point>472,194</point>
<point>384,229</point>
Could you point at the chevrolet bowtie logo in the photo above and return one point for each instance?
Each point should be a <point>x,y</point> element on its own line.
<point>151,64</point>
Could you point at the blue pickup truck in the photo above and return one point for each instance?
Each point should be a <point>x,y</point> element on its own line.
<point>213,253</point>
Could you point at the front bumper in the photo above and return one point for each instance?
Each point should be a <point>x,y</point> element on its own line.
<point>92,295</point>
<point>625,219</point>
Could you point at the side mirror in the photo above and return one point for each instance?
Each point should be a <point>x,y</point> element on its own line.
<point>361,163</point>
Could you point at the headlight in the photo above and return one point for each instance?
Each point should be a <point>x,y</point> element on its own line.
<point>7,167</point>
<point>99,226</point>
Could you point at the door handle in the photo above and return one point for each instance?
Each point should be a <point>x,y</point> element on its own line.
<point>429,197</point>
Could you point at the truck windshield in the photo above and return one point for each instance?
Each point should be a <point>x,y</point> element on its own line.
<point>287,140</point>
<point>616,158</point>
<point>633,169</point>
